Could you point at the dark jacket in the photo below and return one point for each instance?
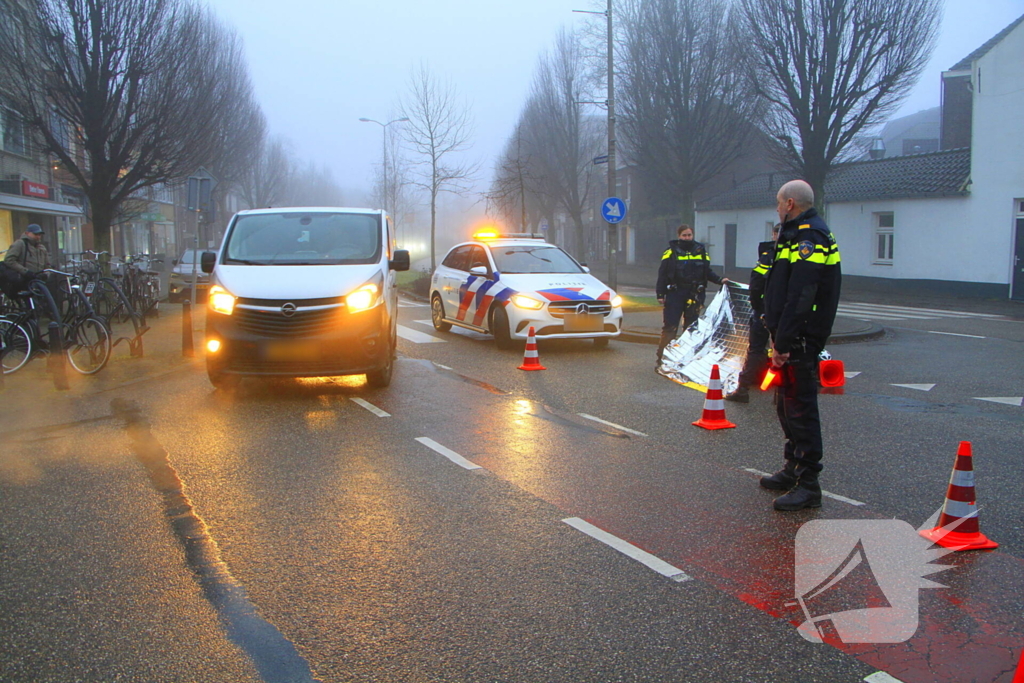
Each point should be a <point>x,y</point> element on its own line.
<point>802,287</point>
<point>686,267</point>
<point>758,276</point>
<point>24,255</point>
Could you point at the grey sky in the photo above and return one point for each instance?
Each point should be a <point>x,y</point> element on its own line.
<point>320,65</point>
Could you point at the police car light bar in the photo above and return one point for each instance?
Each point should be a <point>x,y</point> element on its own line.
<point>493,235</point>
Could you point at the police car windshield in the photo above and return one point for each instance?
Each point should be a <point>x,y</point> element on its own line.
<point>533,259</point>
<point>295,238</point>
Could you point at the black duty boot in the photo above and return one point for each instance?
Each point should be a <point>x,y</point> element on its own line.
<point>806,494</point>
<point>741,395</point>
<point>783,480</point>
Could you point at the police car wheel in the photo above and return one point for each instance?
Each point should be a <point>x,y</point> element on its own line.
<point>437,314</point>
<point>500,328</point>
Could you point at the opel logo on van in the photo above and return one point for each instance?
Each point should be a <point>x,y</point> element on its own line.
<point>288,310</point>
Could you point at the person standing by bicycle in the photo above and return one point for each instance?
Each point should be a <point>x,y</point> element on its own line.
<point>28,254</point>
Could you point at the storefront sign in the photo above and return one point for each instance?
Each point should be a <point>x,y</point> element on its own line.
<point>30,189</point>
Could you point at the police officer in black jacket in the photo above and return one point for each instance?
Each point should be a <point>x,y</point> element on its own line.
<point>757,347</point>
<point>800,301</point>
<point>684,273</point>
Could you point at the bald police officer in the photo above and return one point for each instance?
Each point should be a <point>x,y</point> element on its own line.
<point>800,301</point>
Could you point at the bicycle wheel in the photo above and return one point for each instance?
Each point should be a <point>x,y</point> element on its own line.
<point>15,345</point>
<point>88,346</point>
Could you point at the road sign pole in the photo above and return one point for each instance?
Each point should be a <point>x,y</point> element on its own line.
<point>613,232</point>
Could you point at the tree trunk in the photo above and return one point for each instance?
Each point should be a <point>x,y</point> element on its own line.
<point>102,215</point>
<point>433,224</point>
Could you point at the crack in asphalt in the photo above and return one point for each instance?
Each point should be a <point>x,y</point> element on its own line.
<point>274,656</point>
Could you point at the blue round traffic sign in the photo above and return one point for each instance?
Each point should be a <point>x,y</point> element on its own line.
<point>613,209</point>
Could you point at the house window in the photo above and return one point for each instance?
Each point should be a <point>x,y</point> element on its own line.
<point>711,240</point>
<point>884,224</point>
<point>769,226</point>
<point>15,135</point>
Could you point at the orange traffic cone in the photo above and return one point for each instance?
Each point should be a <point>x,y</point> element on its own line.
<point>531,359</point>
<point>958,525</point>
<point>714,406</point>
<point>1019,676</point>
<point>832,376</point>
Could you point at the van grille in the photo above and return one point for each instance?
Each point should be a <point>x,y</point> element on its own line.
<point>276,324</point>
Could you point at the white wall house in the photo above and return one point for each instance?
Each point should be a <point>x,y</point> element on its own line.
<point>951,220</point>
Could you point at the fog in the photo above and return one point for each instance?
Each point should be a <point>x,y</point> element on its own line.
<point>320,65</point>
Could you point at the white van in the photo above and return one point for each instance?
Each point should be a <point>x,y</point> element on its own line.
<point>303,292</point>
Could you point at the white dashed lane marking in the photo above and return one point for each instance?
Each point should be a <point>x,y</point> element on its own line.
<point>851,375</point>
<point>417,337</point>
<point>628,549</point>
<point>611,424</point>
<point>372,408</point>
<point>448,453</point>
<point>957,334</point>
<point>829,494</point>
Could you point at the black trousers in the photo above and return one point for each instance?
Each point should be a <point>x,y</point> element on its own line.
<point>677,305</point>
<point>796,401</point>
<point>757,354</point>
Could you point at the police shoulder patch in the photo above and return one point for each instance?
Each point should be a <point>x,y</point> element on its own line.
<point>805,249</point>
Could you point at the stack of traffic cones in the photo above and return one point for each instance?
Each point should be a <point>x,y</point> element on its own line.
<point>958,525</point>
<point>531,359</point>
<point>714,406</point>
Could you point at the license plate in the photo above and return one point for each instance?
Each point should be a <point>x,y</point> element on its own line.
<point>90,287</point>
<point>293,351</point>
<point>583,322</point>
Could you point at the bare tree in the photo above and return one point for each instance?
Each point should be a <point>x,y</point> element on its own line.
<point>150,89</point>
<point>561,139</point>
<point>313,185</point>
<point>828,69</point>
<point>268,175</point>
<point>507,196</point>
<point>687,106</point>
<point>438,129</point>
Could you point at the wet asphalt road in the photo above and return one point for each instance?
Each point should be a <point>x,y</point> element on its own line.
<point>287,518</point>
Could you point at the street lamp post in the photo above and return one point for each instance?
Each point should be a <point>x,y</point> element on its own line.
<point>384,148</point>
<point>613,236</point>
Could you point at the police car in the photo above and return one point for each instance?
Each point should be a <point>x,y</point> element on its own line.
<point>503,284</point>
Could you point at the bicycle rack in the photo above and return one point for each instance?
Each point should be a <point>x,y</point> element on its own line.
<point>135,344</point>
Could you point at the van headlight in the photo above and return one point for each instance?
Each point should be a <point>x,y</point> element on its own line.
<point>363,298</point>
<point>527,302</point>
<point>617,301</point>
<point>220,300</point>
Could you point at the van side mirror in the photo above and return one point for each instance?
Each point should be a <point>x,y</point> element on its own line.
<point>478,270</point>
<point>399,260</point>
<point>207,261</point>
<point>586,268</point>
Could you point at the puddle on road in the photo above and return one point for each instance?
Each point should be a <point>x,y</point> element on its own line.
<point>274,656</point>
<point>911,405</point>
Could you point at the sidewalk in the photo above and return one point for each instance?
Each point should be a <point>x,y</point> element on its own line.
<point>162,356</point>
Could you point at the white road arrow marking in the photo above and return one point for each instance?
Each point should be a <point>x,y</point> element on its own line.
<point>851,375</point>
<point>917,387</point>
<point>1008,400</point>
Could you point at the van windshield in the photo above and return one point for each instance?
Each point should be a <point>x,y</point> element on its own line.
<point>296,238</point>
